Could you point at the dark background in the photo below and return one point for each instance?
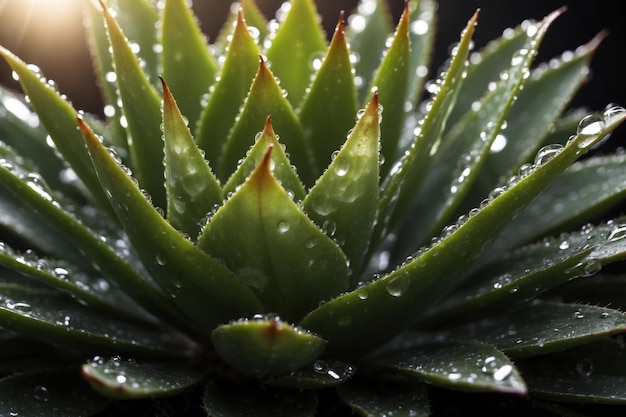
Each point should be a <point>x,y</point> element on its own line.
<point>57,45</point>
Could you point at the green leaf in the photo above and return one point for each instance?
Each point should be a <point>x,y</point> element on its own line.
<point>329,106</point>
<point>322,374</point>
<point>188,66</point>
<point>585,191</point>
<point>53,393</point>
<point>381,398</point>
<point>391,82</point>
<point>265,99</point>
<point>486,67</point>
<point>139,21</point>
<point>401,185</point>
<point>62,226</point>
<point>251,15</point>
<point>221,400</point>
<point>464,150</point>
<point>94,291</point>
<point>227,94</point>
<point>351,181</point>
<point>595,372</point>
<point>197,284</point>
<point>604,289</point>
<point>21,354</point>
<point>368,29</point>
<point>59,319</point>
<point>21,129</point>
<point>544,327</point>
<point>514,278</point>
<point>59,118</point>
<point>423,19</point>
<point>538,105</point>
<point>106,78</point>
<point>192,189</point>
<point>255,229</point>
<point>297,42</point>
<point>475,367</point>
<point>283,170</point>
<point>389,304</point>
<point>142,110</point>
<point>129,379</point>
<point>266,346</point>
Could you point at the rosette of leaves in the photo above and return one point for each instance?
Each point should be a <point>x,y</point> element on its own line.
<point>228,244</point>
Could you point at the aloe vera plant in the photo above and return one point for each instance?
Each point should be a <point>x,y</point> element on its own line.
<point>229,244</point>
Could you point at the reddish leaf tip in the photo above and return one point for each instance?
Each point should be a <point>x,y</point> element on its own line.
<point>340,24</point>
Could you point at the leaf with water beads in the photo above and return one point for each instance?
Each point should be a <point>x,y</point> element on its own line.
<point>104,72</point>
<point>513,278</point>
<point>223,400</point>
<point>382,397</point>
<point>585,191</point>
<point>368,28</point>
<point>392,303</point>
<point>119,378</point>
<point>476,367</point>
<point>391,82</point>
<point>465,148</point>
<point>400,187</point>
<point>227,93</point>
<point>142,109</point>
<point>423,19</point>
<point>330,102</point>
<point>188,66</point>
<point>39,393</point>
<point>192,189</point>
<point>486,67</point>
<point>265,99</point>
<point>22,131</point>
<point>256,21</point>
<point>320,374</point>
<point>92,290</point>
<point>350,184</point>
<point>61,227</point>
<point>595,372</point>
<point>59,319</point>
<point>254,230</point>
<point>298,39</point>
<point>282,169</point>
<point>58,117</point>
<point>544,327</point>
<point>266,346</point>
<point>544,97</point>
<point>139,21</point>
<point>200,286</point>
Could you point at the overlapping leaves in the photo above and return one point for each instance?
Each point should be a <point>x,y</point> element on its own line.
<point>260,219</point>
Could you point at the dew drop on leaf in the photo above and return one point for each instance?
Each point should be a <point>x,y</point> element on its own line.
<point>547,153</point>
<point>398,286</point>
<point>41,393</point>
<point>617,233</point>
<point>584,367</point>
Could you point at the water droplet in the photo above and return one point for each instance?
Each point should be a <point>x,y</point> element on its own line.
<point>564,245</point>
<point>502,372</point>
<point>617,233</point>
<point>160,259</point>
<point>547,153</point>
<point>329,227</point>
<point>612,112</point>
<point>362,293</point>
<point>591,267</point>
<point>120,379</point>
<point>341,166</point>
<point>283,226</point>
<point>591,125</point>
<point>578,315</point>
<point>320,366</point>
<point>41,393</point>
<point>398,286</point>
<point>584,367</point>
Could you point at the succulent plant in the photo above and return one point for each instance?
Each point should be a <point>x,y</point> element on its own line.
<point>381,266</point>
